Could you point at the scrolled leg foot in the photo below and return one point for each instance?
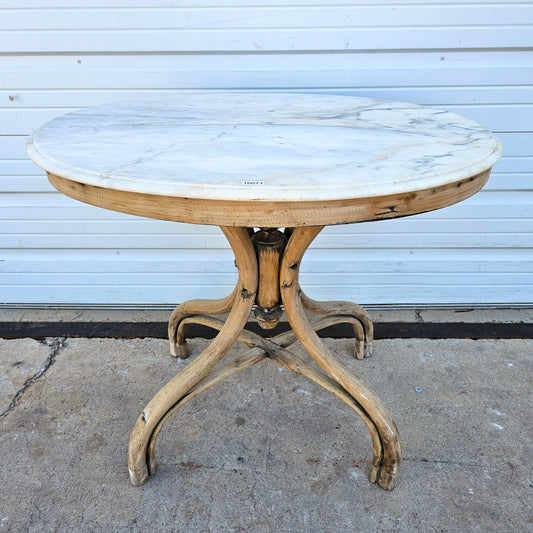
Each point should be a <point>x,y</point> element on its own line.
<point>385,477</point>
<point>176,338</point>
<point>139,477</point>
<point>330,320</point>
<point>346,312</point>
<point>180,351</point>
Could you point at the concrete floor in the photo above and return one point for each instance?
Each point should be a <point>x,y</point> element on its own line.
<point>265,450</point>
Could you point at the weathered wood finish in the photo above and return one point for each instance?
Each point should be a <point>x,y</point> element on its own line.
<point>176,336</point>
<point>269,245</point>
<point>388,458</point>
<point>181,384</point>
<point>347,310</point>
<point>275,350</point>
<point>272,214</point>
<point>281,282</point>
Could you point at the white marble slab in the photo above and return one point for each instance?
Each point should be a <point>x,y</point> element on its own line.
<point>249,146</point>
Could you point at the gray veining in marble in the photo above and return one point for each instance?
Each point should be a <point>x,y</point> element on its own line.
<point>270,146</point>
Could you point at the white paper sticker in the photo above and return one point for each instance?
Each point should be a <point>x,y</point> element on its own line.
<point>253,182</point>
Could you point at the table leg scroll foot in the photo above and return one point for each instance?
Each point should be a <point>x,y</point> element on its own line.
<point>359,334</point>
<point>290,361</point>
<point>385,476</point>
<point>179,350</point>
<point>346,312</point>
<point>387,462</point>
<point>176,335</point>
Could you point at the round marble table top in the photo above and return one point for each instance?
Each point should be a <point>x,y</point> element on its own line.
<point>263,147</point>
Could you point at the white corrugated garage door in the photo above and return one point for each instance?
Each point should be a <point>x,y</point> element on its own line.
<point>474,58</point>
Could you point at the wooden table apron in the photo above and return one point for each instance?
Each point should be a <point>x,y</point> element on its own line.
<point>272,213</point>
<point>268,233</point>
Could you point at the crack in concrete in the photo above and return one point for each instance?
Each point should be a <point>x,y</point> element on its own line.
<point>55,344</point>
<point>418,316</point>
<point>443,461</point>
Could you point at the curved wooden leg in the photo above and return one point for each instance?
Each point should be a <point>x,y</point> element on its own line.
<point>345,309</point>
<point>385,473</point>
<point>181,384</point>
<point>176,335</point>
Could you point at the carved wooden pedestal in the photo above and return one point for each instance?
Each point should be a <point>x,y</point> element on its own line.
<point>268,262</point>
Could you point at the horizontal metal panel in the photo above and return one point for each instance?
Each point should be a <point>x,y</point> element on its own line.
<point>360,240</point>
<point>25,183</point>
<point>315,279</point>
<point>139,227</point>
<point>363,260</point>
<point>516,144</point>
<point>508,293</point>
<point>180,17</point>
<point>444,294</point>
<point>141,4</point>
<point>263,40</point>
<point>509,181</point>
<point>352,72</point>
<point>360,276</point>
<point>12,147</point>
<point>432,96</point>
<point>514,164</point>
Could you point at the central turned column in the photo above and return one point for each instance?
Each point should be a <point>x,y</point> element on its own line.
<point>269,244</point>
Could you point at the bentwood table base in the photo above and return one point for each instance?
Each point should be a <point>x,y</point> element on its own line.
<point>268,262</point>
